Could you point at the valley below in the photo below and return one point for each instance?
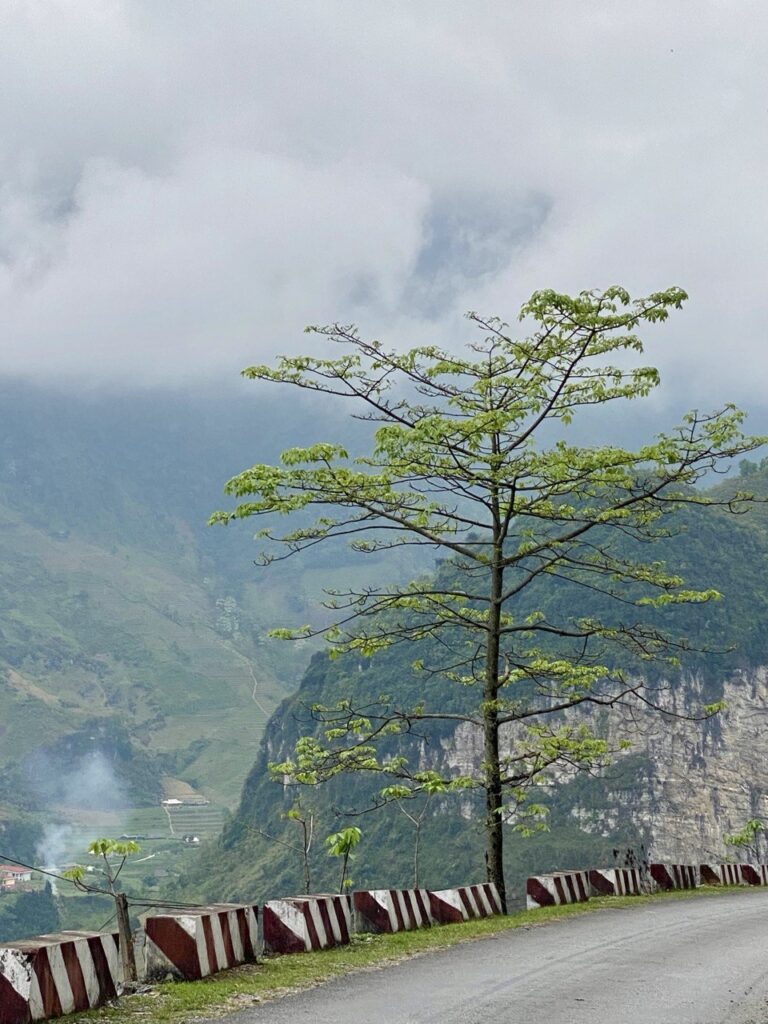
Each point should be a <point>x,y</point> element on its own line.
<point>136,668</point>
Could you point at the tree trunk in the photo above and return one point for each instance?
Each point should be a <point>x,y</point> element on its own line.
<point>307,883</point>
<point>416,856</point>
<point>127,954</point>
<point>305,851</point>
<point>494,859</point>
<point>494,854</point>
<point>343,873</point>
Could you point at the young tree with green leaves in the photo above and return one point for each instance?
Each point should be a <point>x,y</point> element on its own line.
<point>748,840</point>
<point>403,796</point>
<point>105,849</point>
<point>471,456</point>
<point>341,844</point>
<point>305,819</point>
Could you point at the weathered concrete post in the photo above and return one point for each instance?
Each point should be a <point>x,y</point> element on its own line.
<point>127,953</point>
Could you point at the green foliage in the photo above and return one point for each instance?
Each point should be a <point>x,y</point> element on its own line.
<point>19,834</point>
<point>104,849</point>
<point>471,456</point>
<point>747,839</point>
<point>341,844</point>
<point>28,913</point>
<point>120,848</point>
<point>729,552</point>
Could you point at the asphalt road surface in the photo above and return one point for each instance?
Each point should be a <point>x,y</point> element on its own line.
<point>695,961</point>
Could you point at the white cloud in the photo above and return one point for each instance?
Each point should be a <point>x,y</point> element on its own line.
<point>193,272</point>
<point>185,185</point>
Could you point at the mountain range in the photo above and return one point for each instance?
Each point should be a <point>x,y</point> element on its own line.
<point>135,663</point>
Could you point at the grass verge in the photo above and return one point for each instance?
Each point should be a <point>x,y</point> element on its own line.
<point>238,989</point>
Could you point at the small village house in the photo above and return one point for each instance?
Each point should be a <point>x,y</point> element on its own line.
<point>14,878</point>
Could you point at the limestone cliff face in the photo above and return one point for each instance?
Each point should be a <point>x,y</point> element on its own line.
<point>699,779</point>
<point>705,778</point>
<point>679,789</point>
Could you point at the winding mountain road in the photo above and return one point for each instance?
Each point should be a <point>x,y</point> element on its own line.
<point>689,961</point>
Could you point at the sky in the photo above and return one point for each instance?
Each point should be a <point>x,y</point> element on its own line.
<point>185,184</point>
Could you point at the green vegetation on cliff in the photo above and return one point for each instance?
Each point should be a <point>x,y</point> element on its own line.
<point>133,638</point>
<point>554,602</point>
<point>730,553</point>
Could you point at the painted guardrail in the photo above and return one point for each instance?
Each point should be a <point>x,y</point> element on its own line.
<point>391,910</point>
<point>52,975</point>
<point>304,923</point>
<point>561,887</point>
<point>734,874</point>
<point>195,943</point>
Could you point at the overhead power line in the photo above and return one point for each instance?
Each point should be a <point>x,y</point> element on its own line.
<point>133,900</point>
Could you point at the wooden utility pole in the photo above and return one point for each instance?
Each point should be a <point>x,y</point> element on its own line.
<point>127,952</point>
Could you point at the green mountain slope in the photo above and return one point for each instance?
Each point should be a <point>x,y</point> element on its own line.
<point>133,637</point>
<point>88,634</point>
<point>709,549</point>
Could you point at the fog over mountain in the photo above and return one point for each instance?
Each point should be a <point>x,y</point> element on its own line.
<point>182,190</point>
<point>185,186</point>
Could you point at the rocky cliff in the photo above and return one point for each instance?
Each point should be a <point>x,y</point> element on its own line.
<point>677,790</point>
<point>705,779</point>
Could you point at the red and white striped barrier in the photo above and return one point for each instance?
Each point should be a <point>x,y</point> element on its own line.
<point>751,875</point>
<point>720,874</point>
<point>196,943</point>
<point>52,975</point>
<point>734,874</point>
<point>556,889</point>
<point>304,923</point>
<point>391,910</point>
<point>675,876</point>
<point>464,903</point>
<point>615,882</point>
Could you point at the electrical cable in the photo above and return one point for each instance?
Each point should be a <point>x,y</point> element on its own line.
<point>107,923</point>
<point>31,867</point>
<point>169,904</point>
<point>134,901</point>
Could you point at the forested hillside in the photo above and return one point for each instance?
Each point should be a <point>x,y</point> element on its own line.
<point>132,635</point>
<point>133,643</point>
<point>119,610</point>
<point>588,816</point>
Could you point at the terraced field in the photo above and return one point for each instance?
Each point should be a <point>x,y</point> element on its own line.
<point>152,824</point>
<point>150,874</point>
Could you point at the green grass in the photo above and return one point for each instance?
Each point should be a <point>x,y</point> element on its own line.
<point>182,1002</point>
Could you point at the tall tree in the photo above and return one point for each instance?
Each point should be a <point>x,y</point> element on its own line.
<point>471,456</point>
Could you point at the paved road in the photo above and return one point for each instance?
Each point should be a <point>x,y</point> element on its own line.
<point>698,961</point>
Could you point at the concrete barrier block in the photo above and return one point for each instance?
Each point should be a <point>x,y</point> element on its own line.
<point>750,875</point>
<point>391,910</point>
<point>303,923</point>
<point>734,874</point>
<point>556,889</point>
<point>196,943</point>
<point>615,882</point>
<point>675,876</point>
<point>466,902</point>
<point>52,975</point>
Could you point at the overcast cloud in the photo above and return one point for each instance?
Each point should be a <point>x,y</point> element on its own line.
<point>185,184</point>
